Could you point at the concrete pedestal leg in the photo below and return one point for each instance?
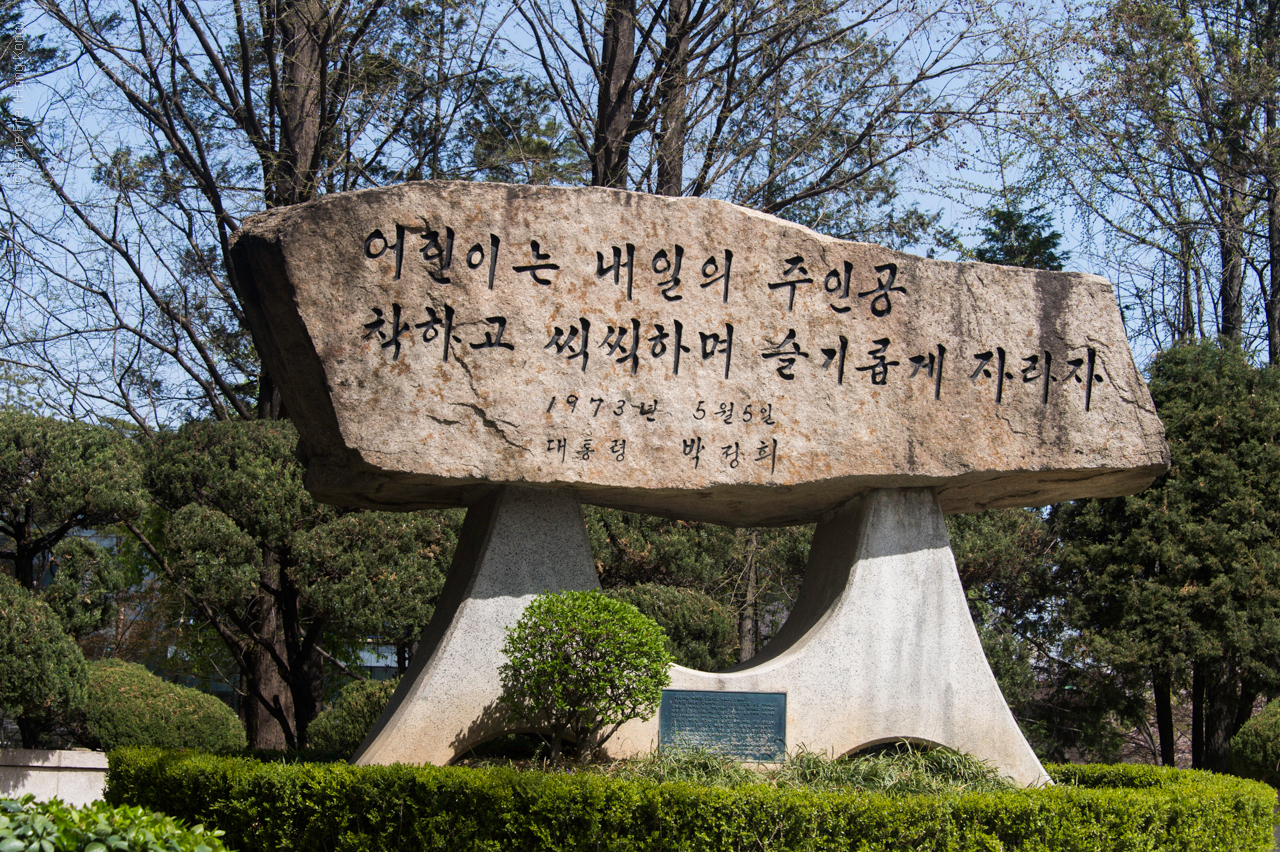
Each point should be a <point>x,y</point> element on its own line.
<point>880,646</point>
<point>518,543</point>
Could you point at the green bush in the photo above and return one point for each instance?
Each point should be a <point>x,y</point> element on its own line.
<point>340,729</point>
<point>42,672</point>
<point>701,632</point>
<point>1255,749</point>
<point>129,706</point>
<point>579,664</point>
<point>30,826</point>
<point>273,806</point>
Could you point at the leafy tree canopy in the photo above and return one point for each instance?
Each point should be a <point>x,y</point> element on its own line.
<point>57,476</point>
<point>1182,581</point>
<point>284,581</point>
<point>42,672</point>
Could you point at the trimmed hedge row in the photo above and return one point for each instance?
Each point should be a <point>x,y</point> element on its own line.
<point>272,806</point>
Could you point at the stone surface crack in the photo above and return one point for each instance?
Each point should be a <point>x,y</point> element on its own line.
<point>1014,429</point>
<point>494,424</point>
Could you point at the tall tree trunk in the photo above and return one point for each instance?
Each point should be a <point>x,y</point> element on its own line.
<point>1271,293</point>
<point>24,568</point>
<point>307,691</point>
<point>29,729</point>
<point>306,666</point>
<point>747,616</point>
<point>1187,308</point>
<point>262,727</point>
<point>270,405</point>
<point>303,26</point>
<point>674,97</point>
<point>1164,719</point>
<point>1244,709</point>
<point>1231,232</point>
<point>268,709</point>
<point>404,650</point>
<point>1197,715</point>
<point>300,91</point>
<point>610,154</point>
<point>1221,699</point>
<point>1231,293</point>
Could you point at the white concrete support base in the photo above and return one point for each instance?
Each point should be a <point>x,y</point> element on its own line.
<point>517,543</point>
<point>880,646</point>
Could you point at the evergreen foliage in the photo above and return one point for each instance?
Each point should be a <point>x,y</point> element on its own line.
<point>632,549</point>
<point>700,632</point>
<point>42,672</point>
<point>1180,585</point>
<point>579,664</point>
<point>1068,704</point>
<point>87,579</point>
<point>129,706</point>
<point>378,573</point>
<point>57,476</point>
<point>1255,749</point>
<point>754,572</point>
<point>1016,237</point>
<point>283,580</point>
<point>342,727</point>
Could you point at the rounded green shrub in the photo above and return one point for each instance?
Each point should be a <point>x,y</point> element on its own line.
<point>42,672</point>
<point>701,632</point>
<point>129,706</point>
<point>1255,749</point>
<point>341,728</point>
<point>579,664</point>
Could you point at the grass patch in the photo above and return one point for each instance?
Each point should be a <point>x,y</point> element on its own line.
<point>897,769</point>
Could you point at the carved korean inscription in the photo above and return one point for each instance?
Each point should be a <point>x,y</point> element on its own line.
<point>611,346</point>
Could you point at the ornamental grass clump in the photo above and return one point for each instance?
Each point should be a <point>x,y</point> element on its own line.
<point>706,767</point>
<point>579,664</point>
<point>902,769</point>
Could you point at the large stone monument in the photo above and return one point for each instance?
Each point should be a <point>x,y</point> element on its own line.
<point>519,350</point>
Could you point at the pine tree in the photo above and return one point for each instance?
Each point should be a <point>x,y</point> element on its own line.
<point>1017,237</point>
<point>1180,585</point>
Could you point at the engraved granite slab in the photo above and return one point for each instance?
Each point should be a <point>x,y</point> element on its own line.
<point>677,356</point>
<point>744,725</point>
